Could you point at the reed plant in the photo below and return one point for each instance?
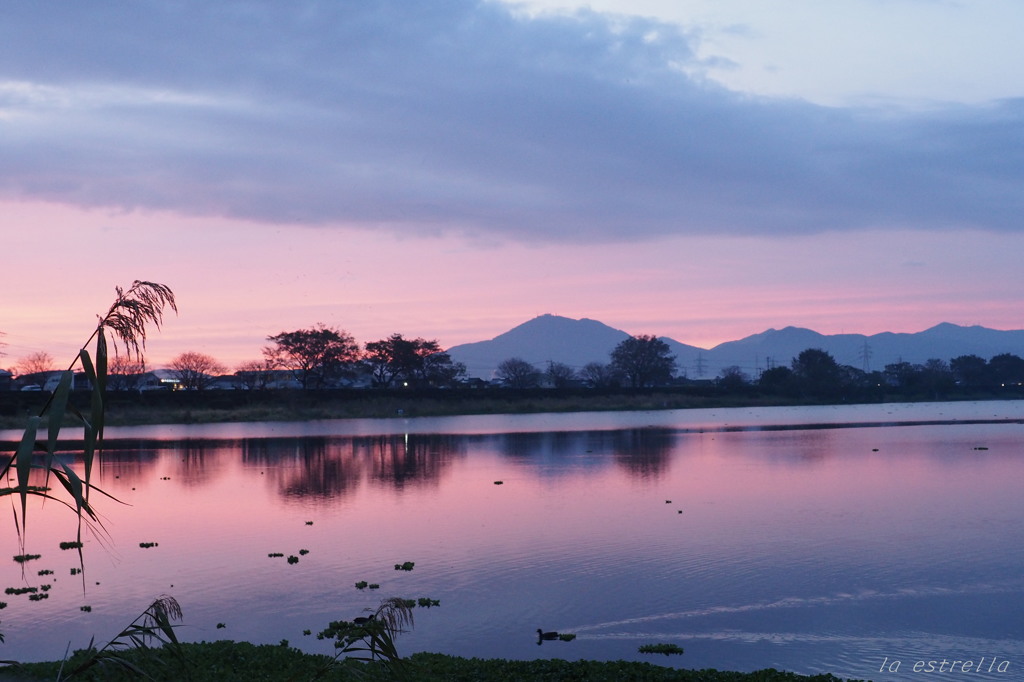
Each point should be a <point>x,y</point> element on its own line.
<point>122,328</point>
<point>150,632</point>
<point>372,638</point>
<point>125,325</point>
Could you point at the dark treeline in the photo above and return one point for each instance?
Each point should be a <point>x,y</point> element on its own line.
<point>321,373</point>
<point>814,374</point>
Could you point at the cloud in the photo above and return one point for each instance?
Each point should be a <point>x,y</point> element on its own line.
<point>462,116</point>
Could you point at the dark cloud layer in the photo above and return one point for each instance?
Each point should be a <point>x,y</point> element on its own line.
<point>459,115</point>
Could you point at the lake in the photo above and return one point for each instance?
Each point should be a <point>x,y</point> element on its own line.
<point>853,540</point>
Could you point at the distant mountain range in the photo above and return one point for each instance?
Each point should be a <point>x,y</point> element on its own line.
<point>551,338</point>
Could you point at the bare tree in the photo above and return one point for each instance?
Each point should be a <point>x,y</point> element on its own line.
<point>597,375</point>
<point>124,372</point>
<point>560,374</point>
<point>733,378</point>
<point>518,373</point>
<point>196,371</point>
<point>34,363</point>
<point>255,374</point>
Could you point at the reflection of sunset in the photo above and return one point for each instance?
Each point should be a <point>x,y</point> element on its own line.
<point>583,522</point>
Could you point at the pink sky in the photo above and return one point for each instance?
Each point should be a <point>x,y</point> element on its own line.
<point>703,171</point>
<point>238,282</point>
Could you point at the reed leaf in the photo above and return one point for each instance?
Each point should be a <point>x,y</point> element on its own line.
<point>23,462</point>
<point>57,409</point>
<point>89,435</point>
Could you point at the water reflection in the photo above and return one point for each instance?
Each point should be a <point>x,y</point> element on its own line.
<point>813,550</point>
<point>640,452</point>
<point>644,452</point>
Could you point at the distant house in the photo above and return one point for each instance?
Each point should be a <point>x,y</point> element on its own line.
<point>159,380</point>
<point>6,380</point>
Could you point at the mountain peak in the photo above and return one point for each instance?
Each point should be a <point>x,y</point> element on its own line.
<point>576,342</point>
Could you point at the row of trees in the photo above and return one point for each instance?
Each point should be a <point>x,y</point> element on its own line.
<point>815,373</point>
<point>322,356</point>
<point>638,362</point>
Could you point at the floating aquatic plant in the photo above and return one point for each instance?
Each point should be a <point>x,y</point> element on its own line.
<point>275,555</point>
<point>71,545</point>
<point>303,552</point>
<point>3,605</point>
<point>221,626</point>
<point>499,482</point>
<point>666,649</point>
<point>566,636</point>
<point>75,571</point>
<point>87,609</point>
<point>407,566</point>
<point>361,584</point>
<point>374,586</point>
<point>22,558</point>
<point>293,559</point>
<point>426,602</point>
<point>147,545</point>
<point>307,632</point>
<point>38,597</point>
<point>309,523</point>
<point>45,571</point>
<point>21,590</point>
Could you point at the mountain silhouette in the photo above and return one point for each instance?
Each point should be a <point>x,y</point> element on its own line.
<point>552,338</point>
<point>547,338</point>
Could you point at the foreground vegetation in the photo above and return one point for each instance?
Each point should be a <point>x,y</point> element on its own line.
<point>226,661</point>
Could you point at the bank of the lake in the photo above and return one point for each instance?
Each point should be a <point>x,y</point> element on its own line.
<point>125,408</point>
<point>227,661</point>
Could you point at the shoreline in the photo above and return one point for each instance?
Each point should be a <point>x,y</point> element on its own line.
<point>228,424</point>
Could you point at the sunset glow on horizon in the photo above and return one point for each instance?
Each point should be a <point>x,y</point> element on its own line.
<point>450,172</point>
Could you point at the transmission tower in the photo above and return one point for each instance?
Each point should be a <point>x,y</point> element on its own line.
<point>865,356</point>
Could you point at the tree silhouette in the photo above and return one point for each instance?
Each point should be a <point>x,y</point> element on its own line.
<point>196,371</point>
<point>644,361</point>
<point>518,373</point>
<point>317,357</point>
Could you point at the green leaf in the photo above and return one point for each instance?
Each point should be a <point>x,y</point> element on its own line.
<point>58,407</point>
<point>23,463</point>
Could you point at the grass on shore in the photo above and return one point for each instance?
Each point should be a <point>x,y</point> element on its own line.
<point>227,661</point>
<point>204,410</point>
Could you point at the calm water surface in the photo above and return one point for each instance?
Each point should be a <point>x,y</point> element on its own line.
<point>883,537</point>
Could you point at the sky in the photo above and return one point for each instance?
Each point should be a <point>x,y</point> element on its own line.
<point>702,170</point>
